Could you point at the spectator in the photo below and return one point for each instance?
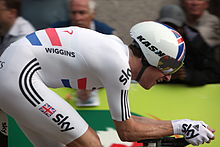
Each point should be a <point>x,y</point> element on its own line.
<point>12,25</point>
<point>200,19</point>
<point>201,66</point>
<point>83,15</point>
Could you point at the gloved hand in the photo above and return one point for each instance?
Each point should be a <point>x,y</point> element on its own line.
<point>195,132</point>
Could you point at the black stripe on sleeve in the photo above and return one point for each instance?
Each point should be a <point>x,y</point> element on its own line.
<point>122,106</point>
<point>125,111</point>
<point>25,82</point>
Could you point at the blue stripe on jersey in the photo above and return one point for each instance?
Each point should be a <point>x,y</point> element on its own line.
<point>66,83</point>
<point>34,39</point>
<point>180,51</point>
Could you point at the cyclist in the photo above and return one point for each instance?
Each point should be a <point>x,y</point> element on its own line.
<point>84,59</point>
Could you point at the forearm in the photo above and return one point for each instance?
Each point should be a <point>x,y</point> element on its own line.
<point>138,128</point>
<point>145,120</point>
<point>154,128</point>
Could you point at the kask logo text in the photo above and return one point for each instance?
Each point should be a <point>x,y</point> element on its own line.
<point>150,46</point>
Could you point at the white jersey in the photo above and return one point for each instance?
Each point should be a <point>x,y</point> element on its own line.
<point>64,57</point>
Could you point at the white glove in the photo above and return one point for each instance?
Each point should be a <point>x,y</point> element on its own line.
<point>195,132</point>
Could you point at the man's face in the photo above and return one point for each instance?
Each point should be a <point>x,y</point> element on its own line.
<point>151,76</point>
<point>195,8</point>
<point>5,19</point>
<point>81,15</point>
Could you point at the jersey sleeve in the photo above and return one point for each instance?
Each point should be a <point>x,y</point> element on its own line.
<point>116,78</point>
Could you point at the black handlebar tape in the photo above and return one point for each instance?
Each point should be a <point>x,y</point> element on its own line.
<point>167,141</point>
<point>174,141</point>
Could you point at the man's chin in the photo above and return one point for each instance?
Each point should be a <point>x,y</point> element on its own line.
<point>80,25</point>
<point>148,86</point>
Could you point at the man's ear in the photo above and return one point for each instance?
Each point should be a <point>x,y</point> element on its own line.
<point>93,15</point>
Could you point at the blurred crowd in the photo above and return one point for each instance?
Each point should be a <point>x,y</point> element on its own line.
<point>199,28</point>
<point>201,33</point>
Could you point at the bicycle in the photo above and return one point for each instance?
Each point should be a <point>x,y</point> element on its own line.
<point>164,142</point>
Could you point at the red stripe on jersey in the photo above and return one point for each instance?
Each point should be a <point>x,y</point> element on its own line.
<point>82,83</point>
<point>53,36</point>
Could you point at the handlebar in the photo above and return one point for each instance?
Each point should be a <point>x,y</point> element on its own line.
<point>165,141</point>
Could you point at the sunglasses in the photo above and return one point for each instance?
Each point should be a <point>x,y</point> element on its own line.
<point>169,65</point>
<point>166,64</point>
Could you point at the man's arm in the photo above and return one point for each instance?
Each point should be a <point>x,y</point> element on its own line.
<point>138,128</point>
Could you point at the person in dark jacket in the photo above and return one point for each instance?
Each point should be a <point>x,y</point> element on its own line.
<point>83,15</point>
<point>201,65</point>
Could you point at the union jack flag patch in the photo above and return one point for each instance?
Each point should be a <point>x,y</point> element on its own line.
<point>47,110</point>
<point>181,44</point>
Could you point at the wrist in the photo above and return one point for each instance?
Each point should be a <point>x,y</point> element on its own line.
<point>177,126</point>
